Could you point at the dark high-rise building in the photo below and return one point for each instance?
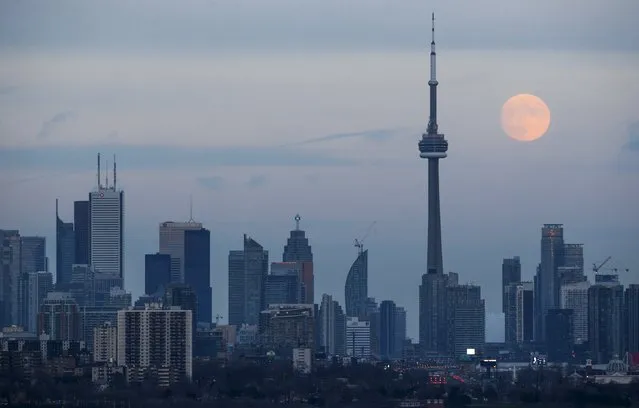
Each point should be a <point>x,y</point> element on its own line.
<point>184,296</point>
<point>281,289</point>
<point>387,329</point>
<point>400,331</point>
<point>356,287</point>
<point>559,334</point>
<point>247,273</point>
<point>548,288</point>
<point>197,270</point>
<point>332,327</point>
<point>64,249</point>
<point>466,314</point>
<point>33,259</point>
<point>510,273</point>
<point>572,269</point>
<point>81,232</point>
<point>433,146</point>
<point>157,272</point>
<point>605,320</point>
<point>631,318</point>
<point>297,249</point>
<point>10,271</point>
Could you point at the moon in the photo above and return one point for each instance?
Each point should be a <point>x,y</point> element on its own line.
<point>525,117</point>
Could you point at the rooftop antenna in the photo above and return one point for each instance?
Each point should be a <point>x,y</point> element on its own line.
<point>99,185</point>
<point>106,176</point>
<point>56,208</point>
<point>297,222</point>
<point>191,208</point>
<point>114,173</point>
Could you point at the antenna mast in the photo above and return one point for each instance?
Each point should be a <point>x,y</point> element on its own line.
<point>297,222</point>
<point>99,181</point>
<point>191,208</point>
<point>106,176</point>
<point>114,173</point>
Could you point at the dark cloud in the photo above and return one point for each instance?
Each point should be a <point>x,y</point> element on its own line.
<point>48,126</point>
<point>633,137</point>
<point>256,181</point>
<point>375,135</point>
<point>71,158</point>
<point>212,183</point>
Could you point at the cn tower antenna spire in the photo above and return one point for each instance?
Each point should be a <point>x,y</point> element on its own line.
<point>432,83</point>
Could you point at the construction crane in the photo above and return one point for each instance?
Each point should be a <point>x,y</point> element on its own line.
<point>596,268</point>
<point>359,243</point>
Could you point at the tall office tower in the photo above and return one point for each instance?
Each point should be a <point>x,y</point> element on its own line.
<point>105,343</point>
<point>285,327</point>
<point>40,284</point>
<point>358,338</point>
<point>631,318</point>
<point>433,323</point>
<point>574,296</point>
<point>400,331</point>
<point>605,319</point>
<point>572,268</point>
<point>433,146</point>
<point>510,273</point>
<point>185,297</point>
<point>466,319</point>
<point>157,272</point>
<point>197,270</point>
<point>525,312</point>
<point>297,249</point>
<point>356,287</point>
<point>510,308</point>
<point>374,318</point>
<point>172,243</point>
<point>59,317</point>
<point>106,227</point>
<point>387,329</point>
<point>559,334</point>
<point>247,273</point>
<point>81,232</point>
<point>64,249</point>
<point>156,340</point>
<point>332,327</point>
<point>10,268</point>
<point>32,259</point>
<point>283,284</point>
<point>548,280</point>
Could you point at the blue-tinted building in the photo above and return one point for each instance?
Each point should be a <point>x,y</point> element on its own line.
<point>157,272</point>
<point>197,270</point>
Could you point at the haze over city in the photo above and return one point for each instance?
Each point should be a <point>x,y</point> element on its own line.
<point>260,112</point>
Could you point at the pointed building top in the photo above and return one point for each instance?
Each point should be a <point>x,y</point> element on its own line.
<point>433,30</point>
<point>297,222</point>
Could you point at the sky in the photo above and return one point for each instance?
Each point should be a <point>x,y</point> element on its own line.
<point>262,110</point>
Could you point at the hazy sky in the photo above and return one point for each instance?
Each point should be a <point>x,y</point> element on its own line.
<point>264,109</point>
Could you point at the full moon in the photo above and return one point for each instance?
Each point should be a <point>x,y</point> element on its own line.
<point>525,117</point>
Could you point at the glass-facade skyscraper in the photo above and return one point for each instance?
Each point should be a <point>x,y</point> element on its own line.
<point>197,270</point>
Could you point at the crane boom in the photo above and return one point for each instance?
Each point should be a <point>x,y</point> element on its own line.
<point>596,268</point>
<point>359,243</point>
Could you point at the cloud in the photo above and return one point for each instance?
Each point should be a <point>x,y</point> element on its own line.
<point>48,126</point>
<point>71,158</point>
<point>633,137</point>
<point>377,135</point>
<point>256,181</point>
<point>8,89</point>
<point>212,183</point>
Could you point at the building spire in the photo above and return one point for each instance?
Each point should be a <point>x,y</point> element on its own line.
<point>432,83</point>
<point>191,208</point>
<point>297,222</point>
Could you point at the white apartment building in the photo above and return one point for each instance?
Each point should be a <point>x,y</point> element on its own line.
<point>574,296</point>
<point>105,343</point>
<point>156,340</point>
<point>358,338</point>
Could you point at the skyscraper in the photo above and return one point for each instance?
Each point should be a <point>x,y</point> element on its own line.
<point>247,272</point>
<point>10,269</point>
<point>33,258</point>
<point>197,270</point>
<point>400,331</point>
<point>106,227</point>
<point>332,326</point>
<point>466,314</point>
<point>172,243</point>
<point>510,273</point>
<point>64,248</point>
<point>356,286</point>
<point>297,249</point>
<point>283,285</point>
<point>59,317</point>
<point>574,296</point>
<point>157,272</point>
<point>81,232</point>
<point>548,279</point>
<point>631,318</point>
<point>605,320</point>
<point>387,329</point>
<point>433,146</point>
<point>40,284</point>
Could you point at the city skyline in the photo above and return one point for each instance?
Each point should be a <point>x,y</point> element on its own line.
<point>363,128</point>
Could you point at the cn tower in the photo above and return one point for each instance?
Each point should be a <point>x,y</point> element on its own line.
<point>433,147</point>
